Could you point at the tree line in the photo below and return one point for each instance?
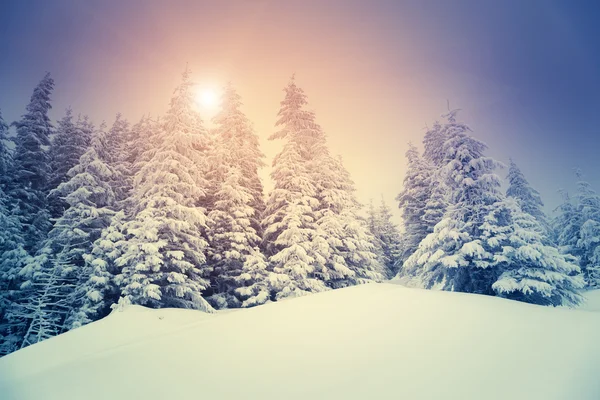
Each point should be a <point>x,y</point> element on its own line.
<point>168,213</point>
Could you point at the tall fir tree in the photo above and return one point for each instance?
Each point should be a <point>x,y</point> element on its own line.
<point>236,207</point>
<point>236,144</point>
<point>528,198</point>
<point>567,226</point>
<point>315,239</point>
<point>452,257</point>
<point>433,144</point>
<point>42,311</point>
<point>372,221</point>
<point>434,155</point>
<point>528,269</point>
<point>161,255</point>
<point>70,140</point>
<point>55,281</point>
<point>12,253</point>
<point>291,208</point>
<point>289,227</point>
<point>5,155</point>
<point>387,233</point>
<point>118,148</point>
<point>413,202</point>
<point>30,167</point>
<point>12,258</point>
<point>485,243</point>
<point>588,243</point>
<point>343,237</point>
<point>234,247</point>
<point>91,205</point>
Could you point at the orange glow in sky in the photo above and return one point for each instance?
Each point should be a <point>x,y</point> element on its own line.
<point>375,82</point>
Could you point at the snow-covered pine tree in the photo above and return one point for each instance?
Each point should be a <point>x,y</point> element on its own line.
<point>100,290</point>
<point>86,126</point>
<point>291,207</point>
<point>289,227</point>
<point>69,142</point>
<point>413,202</point>
<point>12,258</point>
<point>92,205</point>
<point>372,221</point>
<point>5,155</point>
<point>116,142</point>
<point>433,142</point>
<point>343,237</point>
<point>143,140</point>
<point>588,243</point>
<point>311,222</point>
<point>436,203</point>
<point>528,198</point>
<point>236,144</point>
<point>44,308</point>
<point>529,270</point>
<point>234,246</point>
<point>162,256</point>
<point>567,226</point>
<point>12,254</point>
<point>236,204</point>
<point>389,236</point>
<point>452,257</point>
<point>30,167</point>
<point>91,202</point>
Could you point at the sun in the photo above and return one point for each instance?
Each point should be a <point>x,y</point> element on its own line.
<point>207,99</point>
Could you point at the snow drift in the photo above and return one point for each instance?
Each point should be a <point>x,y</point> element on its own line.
<point>377,341</point>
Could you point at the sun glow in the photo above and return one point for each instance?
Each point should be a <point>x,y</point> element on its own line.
<point>207,99</point>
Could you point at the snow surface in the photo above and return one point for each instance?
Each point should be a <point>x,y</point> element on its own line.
<point>376,341</point>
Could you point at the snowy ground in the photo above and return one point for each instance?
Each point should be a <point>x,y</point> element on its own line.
<point>368,342</point>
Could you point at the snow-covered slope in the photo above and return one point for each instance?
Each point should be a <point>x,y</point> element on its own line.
<point>378,341</point>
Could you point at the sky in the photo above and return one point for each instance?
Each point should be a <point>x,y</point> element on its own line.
<point>377,73</point>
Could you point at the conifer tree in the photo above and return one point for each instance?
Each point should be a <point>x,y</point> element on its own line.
<point>162,255</point>
<point>315,239</point>
<point>100,291</point>
<point>117,147</point>
<point>373,223</point>
<point>236,206</point>
<point>413,202</point>
<point>588,243</point>
<point>91,202</point>
<point>30,167</point>
<point>234,246</point>
<point>433,142</point>
<point>389,236</point>
<point>12,258</point>
<point>343,237</point>
<point>452,257</point>
<point>567,226</point>
<point>5,155</point>
<point>436,203</point>
<point>485,243</point>
<point>290,227</point>
<point>12,254</point>
<point>528,198</point>
<point>43,310</point>
<point>236,144</point>
<point>70,140</point>
<point>529,270</point>
<point>290,215</point>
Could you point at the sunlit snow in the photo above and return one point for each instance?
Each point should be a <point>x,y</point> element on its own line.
<point>376,341</point>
